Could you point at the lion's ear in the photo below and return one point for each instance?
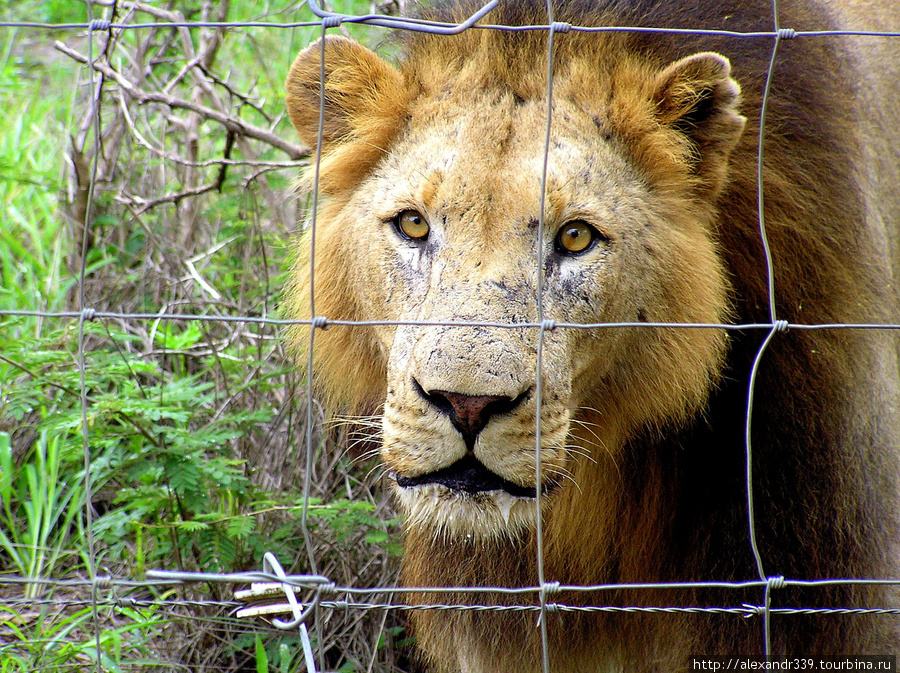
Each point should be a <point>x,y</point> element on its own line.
<point>697,98</point>
<point>365,99</point>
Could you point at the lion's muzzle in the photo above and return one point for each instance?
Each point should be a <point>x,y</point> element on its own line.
<point>469,415</point>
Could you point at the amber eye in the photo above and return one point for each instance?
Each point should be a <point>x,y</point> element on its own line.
<point>576,237</point>
<point>412,225</point>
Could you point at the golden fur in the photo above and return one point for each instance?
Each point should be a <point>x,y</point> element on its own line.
<point>642,450</point>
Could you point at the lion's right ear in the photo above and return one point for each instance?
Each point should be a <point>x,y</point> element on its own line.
<point>365,101</point>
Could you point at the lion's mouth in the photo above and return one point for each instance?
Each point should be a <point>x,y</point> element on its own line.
<point>469,475</point>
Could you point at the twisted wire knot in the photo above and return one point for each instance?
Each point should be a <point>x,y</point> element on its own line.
<point>102,583</point>
<point>99,25</point>
<point>780,325</point>
<point>88,314</point>
<point>332,21</point>
<point>752,610</point>
<point>777,582</point>
<point>560,27</point>
<point>548,325</point>
<point>320,322</point>
<point>550,588</point>
<point>786,33</point>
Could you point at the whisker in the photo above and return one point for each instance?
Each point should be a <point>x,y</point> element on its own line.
<point>368,455</point>
<point>587,425</point>
<point>379,467</point>
<point>577,450</point>
<point>565,475</point>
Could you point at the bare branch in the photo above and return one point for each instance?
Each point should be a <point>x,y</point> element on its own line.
<point>230,122</point>
<point>146,205</point>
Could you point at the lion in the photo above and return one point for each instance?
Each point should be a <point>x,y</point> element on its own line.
<point>431,214</point>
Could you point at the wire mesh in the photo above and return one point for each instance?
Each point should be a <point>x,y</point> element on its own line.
<point>115,592</point>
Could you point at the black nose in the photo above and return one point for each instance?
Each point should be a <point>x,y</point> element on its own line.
<point>470,413</point>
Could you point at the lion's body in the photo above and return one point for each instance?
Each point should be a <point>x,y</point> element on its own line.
<point>642,429</point>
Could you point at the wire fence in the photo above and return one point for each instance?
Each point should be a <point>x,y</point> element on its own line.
<point>320,596</point>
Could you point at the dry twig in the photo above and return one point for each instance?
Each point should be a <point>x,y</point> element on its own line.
<point>230,122</point>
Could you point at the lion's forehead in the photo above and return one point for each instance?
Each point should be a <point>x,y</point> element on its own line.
<point>488,165</point>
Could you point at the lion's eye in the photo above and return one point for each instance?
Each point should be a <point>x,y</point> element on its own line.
<point>412,225</point>
<point>576,237</point>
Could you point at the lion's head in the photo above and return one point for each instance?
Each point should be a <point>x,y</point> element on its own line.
<point>441,225</point>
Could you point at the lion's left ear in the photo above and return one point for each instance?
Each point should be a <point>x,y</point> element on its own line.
<point>697,98</point>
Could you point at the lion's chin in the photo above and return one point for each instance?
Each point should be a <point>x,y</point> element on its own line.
<point>451,513</point>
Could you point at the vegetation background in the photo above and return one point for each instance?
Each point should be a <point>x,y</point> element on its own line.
<point>178,201</point>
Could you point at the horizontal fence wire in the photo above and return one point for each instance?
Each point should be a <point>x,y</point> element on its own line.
<point>323,322</point>
<point>158,578</point>
<point>103,589</point>
<point>431,26</point>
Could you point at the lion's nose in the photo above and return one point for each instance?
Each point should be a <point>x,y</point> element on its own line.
<point>470,413</point>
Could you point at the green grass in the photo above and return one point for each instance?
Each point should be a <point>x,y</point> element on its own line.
<point>39,508</point>
<point>43,11</point>
<point>33,245</point>
<point>195,429</point>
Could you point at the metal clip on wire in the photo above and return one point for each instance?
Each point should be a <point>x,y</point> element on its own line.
<point>271,565</point>
<point>267,598</point>
<point>404,23</point>
<point>262,594</point>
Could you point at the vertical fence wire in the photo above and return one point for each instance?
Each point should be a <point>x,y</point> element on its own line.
<point>310,449</point>
<point>96,96</point>
<point>85,313</point>
<point>773,317</point>
<point>539,364</point>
